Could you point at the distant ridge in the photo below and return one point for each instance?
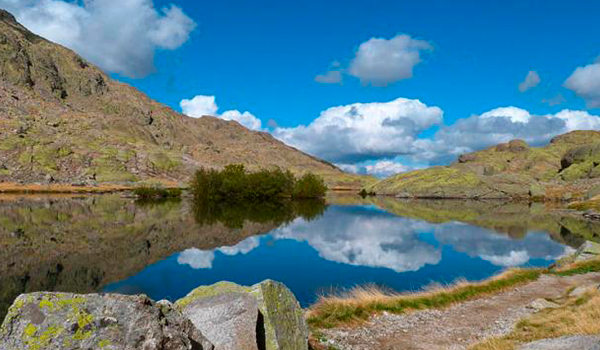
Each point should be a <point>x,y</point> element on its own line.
<point>567,168</point>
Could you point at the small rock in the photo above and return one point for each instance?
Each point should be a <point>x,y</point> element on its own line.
<point>541,304</point>
<point>579,291</point>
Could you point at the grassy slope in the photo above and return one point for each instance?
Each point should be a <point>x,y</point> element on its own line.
<point>512,170</point>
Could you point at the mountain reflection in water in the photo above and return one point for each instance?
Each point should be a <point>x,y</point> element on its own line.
<point>111,244</point>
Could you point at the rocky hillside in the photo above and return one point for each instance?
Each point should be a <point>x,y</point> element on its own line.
<point>567,168</point>
<point>62,119</point>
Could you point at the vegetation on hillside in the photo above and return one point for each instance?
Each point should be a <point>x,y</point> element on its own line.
<point>235,184</point>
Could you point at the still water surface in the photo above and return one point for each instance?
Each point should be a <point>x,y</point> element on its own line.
<point>112,244</point>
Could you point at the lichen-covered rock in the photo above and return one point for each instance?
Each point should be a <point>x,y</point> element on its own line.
<point>588,250</point>
<point>57,321</point>
<point>228,320</point>
<point>281,324</point>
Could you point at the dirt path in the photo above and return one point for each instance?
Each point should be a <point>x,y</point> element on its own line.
<point>456,327</point>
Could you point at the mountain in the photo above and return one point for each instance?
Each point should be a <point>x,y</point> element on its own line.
<point>567,168</point>
<point>62,119</point>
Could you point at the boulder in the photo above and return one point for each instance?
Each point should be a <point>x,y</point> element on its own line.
<point>579,342</point>
<point>55,321</point>
<point>581,290</point>
<point>279,324</point>
<point>229,320</point>
<point>541,304</point>
<point>588,250</point>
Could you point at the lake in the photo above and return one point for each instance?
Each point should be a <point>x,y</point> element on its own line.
<point>113,244</point>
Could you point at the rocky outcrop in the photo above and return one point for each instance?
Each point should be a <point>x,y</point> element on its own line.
<point>589,250</point>
<point>224,316</point>
<point>567,168</point>
<point>279,321</point>
<point>64,120</point>
<point>45,321</point>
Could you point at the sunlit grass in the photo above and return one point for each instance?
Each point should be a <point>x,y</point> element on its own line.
<point>359,304</point>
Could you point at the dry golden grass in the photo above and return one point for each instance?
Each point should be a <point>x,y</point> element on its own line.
<point>576,316</point>
<point>358,304</point>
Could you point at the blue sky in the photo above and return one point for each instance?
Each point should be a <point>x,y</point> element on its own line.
<point>263,56</point>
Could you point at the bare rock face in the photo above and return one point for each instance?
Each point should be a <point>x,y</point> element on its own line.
<point>279,325</point>
<point>56,321</point>
<point>229,320</point>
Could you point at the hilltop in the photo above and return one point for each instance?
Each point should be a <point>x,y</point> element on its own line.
<point>64,120</point>
<point>567,168</point>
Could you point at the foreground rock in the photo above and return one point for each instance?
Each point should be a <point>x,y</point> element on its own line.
<point>54,321</point>
<point>224,313</point>
<point>589,250</point>
<point>580,342</point>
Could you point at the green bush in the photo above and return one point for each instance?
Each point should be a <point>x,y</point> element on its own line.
<point>309,186</point>
<point>235,184</point>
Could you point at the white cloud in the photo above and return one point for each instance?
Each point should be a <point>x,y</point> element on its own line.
<point>392,242</point>
<point>363,131</point>
<point>330,77</point>
<point>380,61</point>
<point>119,37</point>
<point>585,82</point>
<point>531,80</point>
<point>201,105</point>
<point>502,125</point>
<point>196,258</point>
<point>203,259</point>
<point>386,168</point>
<point>514,258</point>
<point>497,248</point>
<point>383,168</point>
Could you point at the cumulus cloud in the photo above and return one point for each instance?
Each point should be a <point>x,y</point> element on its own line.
<point>392,242</point>
<point>502,125</point>
<point>384,168</point>
<point>531,80</point>
<point>382,240</point>
<point>196,258</point>
<point>201,105</point>
<point>362,131</point>
<point>585,82</point>
<point>498,249</point>
<point>203,259</point>
<point>120,38</point>
<point>381,61</point>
